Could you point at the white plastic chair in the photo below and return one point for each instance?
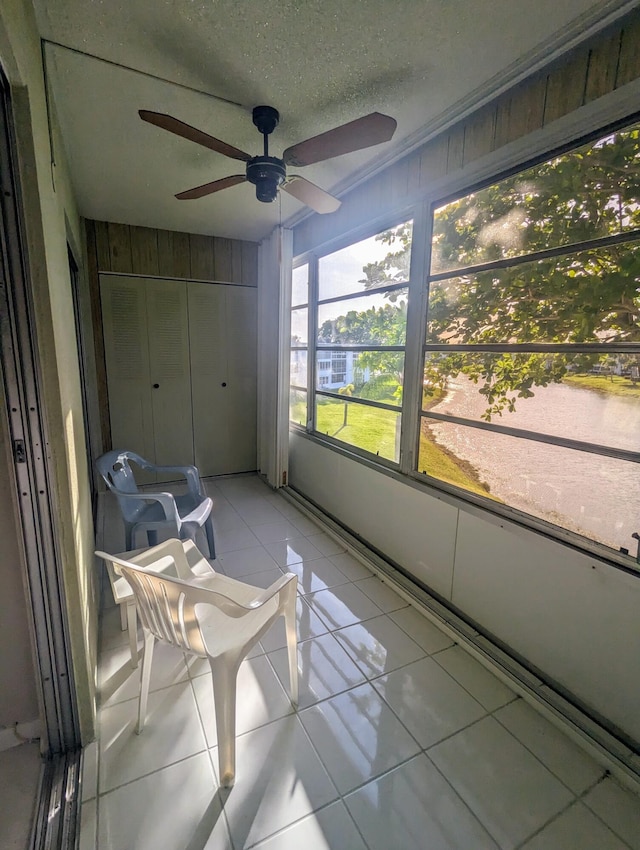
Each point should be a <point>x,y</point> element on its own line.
<point>210,616</point>
<point>146,511</point>
<point>123,594</point>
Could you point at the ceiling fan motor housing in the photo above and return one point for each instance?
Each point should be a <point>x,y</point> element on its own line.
<point>267,173</point>
<point>266,119</point>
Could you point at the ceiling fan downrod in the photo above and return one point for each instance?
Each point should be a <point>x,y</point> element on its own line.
<point>267,173</point>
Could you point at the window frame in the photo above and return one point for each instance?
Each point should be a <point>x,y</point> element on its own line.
<point>299,262</point>
<point>315,349</point>
<point>502,509</point>
<point>619,110</point>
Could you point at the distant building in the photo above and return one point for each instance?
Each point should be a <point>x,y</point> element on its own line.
<point>334,369</point>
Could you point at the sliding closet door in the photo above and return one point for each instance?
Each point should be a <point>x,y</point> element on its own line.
<point>242,367</point>
<point>146,337</point>
<point>181,371</point>
<point>169,372</point>
<point>124,315</point>
<point>222,330</point>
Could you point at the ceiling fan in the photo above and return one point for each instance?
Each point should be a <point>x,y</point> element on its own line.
<point>269,173</point>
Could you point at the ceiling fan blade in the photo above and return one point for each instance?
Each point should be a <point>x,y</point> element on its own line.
<point>362,133</point>
<point>310,194</point>
<point>168,122</point>
<point>210,188</point>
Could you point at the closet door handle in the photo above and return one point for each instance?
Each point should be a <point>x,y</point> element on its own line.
<point>156,386</point>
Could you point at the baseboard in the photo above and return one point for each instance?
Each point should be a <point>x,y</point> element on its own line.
<point>20,733</point>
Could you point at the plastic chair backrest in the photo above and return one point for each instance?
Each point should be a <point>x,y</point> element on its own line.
<point>166,607</point>
<point>118,476</point>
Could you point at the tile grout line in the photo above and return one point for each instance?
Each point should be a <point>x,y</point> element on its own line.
<point>607,775</point>
<point>462,800</point>
<point>576,794</point>
<point>578,798</point>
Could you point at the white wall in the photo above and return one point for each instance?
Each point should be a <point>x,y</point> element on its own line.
<point>569,614</point>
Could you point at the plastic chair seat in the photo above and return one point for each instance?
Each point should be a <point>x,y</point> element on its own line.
<point>188,508</point>
<point>207,615</point>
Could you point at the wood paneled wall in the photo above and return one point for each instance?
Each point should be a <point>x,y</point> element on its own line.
<point>590,71</point>
<point>127,249</point>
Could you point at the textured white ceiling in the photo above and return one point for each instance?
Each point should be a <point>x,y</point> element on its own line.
<point>321,63</point>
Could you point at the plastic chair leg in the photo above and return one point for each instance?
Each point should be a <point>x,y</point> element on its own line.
<point>223,674</point>
<point>208,527</point>
<point>128,536</point>
<point>132,627</point>
<point>292,646</point>
<point>147,658</point>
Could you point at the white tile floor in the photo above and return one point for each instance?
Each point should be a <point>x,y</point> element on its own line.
<point>402,741</point>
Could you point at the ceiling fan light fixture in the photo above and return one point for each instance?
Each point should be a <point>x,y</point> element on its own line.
<point>266,191</point>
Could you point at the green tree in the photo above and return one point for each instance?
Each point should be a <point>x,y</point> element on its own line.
<point>394,267</point>
<point>581,296</point>
<point>346,391</point>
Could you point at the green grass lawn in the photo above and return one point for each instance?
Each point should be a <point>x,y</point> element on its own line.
<point>368,428</point>
<point>609,384</point>
<point>374,431</point>
<point>440,463</point>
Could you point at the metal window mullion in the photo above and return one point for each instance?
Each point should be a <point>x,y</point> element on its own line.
<point>364,293</point>
<point>536,436</point>
<point>537,256</point>
<point>538,347</point>
<point>416,323</point>
<point>357,348</point>
<point>365,402</point>
<point>312,340</point>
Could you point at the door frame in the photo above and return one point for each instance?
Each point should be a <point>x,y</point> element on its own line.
<point>56,819</point>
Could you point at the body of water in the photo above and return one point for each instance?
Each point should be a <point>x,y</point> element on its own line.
<point>593,495</point>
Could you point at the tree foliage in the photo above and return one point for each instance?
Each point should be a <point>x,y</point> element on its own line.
<point>582,295</point>
<point>394,267</point>
<point>376,326</point>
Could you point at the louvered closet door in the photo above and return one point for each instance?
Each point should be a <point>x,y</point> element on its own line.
<point>169,370</point>
<point>242,366</point>
<point>124,312</point>
<point>222,329</point>
<point>146,338</point>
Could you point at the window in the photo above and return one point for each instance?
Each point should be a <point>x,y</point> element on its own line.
<point>530,392</point>
<point>299,342</point>
<point>361,321</point>
<point>359,308</point>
